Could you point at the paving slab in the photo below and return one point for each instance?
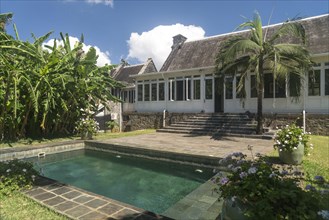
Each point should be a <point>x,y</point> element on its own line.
<point>195,145</point>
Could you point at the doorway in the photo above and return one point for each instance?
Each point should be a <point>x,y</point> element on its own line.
<point>219,95</point>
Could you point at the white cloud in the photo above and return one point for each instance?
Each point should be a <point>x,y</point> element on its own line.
<point>103,57</point>
<point>157,42</point>
<point>105,2</point>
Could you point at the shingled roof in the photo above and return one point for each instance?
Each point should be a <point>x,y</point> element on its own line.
<point>122,73</point>
<point>202,53</point>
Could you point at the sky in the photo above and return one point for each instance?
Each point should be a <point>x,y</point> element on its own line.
<point>135,30</point>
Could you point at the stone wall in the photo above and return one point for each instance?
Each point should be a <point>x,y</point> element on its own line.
<point>315,123</point>
<point>136,121</point>
<point>114,110</point>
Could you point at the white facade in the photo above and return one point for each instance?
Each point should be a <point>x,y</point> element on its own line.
<point>193,91</point>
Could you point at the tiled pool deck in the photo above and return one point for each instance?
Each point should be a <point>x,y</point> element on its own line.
<point>76,203</point>
<point>79,204</point>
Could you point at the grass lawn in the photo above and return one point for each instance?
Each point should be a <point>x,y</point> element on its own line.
<point>318,162</point>
<point>99,136</point>
<point>18,207</point>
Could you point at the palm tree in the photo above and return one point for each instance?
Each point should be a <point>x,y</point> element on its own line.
<point>256,50</point>
<point>4,18</point>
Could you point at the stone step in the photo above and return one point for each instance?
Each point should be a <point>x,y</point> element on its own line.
<point>221,123</point>
<point>213,126</point>
<point>212,130</point>
<point>216,124</point>
<point>220,118</point>
<point>215,133</point>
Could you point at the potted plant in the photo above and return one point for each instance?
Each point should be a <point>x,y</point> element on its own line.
<point>87,127</point>
<point>112,124</point>
<point>292,144</point>
<point>257,189</point>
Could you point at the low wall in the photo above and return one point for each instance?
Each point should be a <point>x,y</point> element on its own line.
<point>315,123</point>
<point>136,121</point>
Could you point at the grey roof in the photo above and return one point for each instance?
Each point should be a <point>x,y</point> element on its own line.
<point>202,53</point>
<point>123,73</point>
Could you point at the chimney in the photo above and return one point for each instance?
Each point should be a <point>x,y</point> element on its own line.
<point>178,40</point>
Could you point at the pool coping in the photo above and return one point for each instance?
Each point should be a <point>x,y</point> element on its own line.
<point>46,193</point>
<point>76,203</point>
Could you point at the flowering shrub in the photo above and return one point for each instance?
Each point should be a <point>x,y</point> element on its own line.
<point>16,175</point>
<point>87,125</point>
<point>289,138</point>
<point>268,191</point>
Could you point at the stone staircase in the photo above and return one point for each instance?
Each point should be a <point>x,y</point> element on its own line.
<point>237,125</point>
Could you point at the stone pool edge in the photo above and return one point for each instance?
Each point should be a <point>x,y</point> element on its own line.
<point>188,206</point>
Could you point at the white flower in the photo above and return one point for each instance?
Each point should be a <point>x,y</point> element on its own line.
<point>287,135</point>
<point>295,148</point>
<point>324,214</point>
<point>308,154</point>
<point>24,170</point>
<point>286,142</point>
<point>278,142</point>
<point>280,149</point>
<point>290,132</point>
<point>252,170</point>
<point>8,170</point>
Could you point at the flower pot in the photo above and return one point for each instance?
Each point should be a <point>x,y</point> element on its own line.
<point>233,210</point>
<point>86,136</point>
<point>294,157</point>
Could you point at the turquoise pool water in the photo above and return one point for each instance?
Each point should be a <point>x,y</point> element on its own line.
<point>149,184</point>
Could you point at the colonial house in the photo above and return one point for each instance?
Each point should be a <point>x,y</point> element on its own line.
<point>122,74</point>
<point>187,81</point>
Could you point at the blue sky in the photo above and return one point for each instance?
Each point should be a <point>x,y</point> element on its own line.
<point>135,30</point>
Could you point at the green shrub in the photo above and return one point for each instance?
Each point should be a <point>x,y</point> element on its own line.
<point>16,175</point>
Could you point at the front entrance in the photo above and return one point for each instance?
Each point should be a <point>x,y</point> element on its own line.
<point>219,95</point>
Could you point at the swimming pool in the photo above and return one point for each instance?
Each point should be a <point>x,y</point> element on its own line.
<point>149,184</point>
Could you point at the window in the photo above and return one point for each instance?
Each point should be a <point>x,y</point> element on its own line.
<point>187,88</point>
<point>171,91</point>
<point>154,91</point>
<point>253,86</point>
<point>140,92</point>
<point>146,92</point>
<point>196,89</point>
<point>294,85</point>
<point>125,96</point>
<point>326,81</point>
<point>161,91</point>
<point>228,87</point>
<point>208,88</point>
<point>180,90</point>
<point>131,96</point>
<point>240,94</point>
<point>314,83</point>
<point>280,87</point>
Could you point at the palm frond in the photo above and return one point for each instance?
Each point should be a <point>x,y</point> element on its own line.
<point>292,30</point>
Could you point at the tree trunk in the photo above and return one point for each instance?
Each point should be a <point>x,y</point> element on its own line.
<point>260,87</point>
